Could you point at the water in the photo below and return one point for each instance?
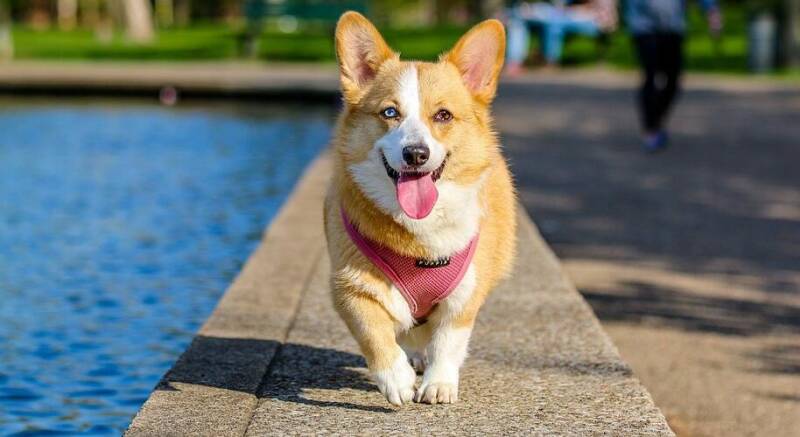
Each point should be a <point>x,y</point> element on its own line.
<point>120,227</point>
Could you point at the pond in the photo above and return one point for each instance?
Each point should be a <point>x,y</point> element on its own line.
<point>121,224</point>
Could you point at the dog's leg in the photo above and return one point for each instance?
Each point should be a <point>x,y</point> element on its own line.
<point>450,329</point>
<point>446,352</point>
<point>373,329</point>
<point>414,342</point>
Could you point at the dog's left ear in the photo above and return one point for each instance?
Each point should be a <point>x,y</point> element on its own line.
<point>478,55</point>
<point>360,50</point>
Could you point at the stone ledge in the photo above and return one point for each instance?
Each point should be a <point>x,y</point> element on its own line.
<point>274,358</point>
<point>303,81</point>
<point>237,79</point>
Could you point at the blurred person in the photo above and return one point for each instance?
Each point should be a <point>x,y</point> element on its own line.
<point>554,21</point>
<point>658,28</point>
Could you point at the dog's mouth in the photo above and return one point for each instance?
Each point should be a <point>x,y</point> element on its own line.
<point>416,191</point>
<point>394,175</point>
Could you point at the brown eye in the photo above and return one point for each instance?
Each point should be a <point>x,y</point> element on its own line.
<point>443,116</point>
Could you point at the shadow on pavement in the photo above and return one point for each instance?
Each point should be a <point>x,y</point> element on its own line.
<point>299,367</point>
<point>724,200</point>
<point>783,358</point>
<point>640,302</point>
<point>270,370</point>
<point>780,396</point>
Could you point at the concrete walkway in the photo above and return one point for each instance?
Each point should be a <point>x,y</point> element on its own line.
<point>275,359</point>
<point>690,258</point>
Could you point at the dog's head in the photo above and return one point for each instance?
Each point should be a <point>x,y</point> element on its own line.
<point>413,129</point>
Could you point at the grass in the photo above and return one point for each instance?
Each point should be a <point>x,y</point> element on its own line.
<point>216,42</point>
<point>220,42</point>
<point>200,42</point>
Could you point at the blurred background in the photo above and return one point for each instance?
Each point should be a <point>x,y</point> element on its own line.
<point>759,35</point>
<point>145,145</point>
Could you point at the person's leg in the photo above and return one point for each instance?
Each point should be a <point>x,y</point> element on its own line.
<point>670,47</point>
<point>518,40</point>
<point>552,41</point>
<point>654,139</point>
<point>646,49</point>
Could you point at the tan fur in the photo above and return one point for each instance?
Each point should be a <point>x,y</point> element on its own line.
<point>474,155</point>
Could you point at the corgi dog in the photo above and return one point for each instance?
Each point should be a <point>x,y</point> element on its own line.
<point>420,216</point>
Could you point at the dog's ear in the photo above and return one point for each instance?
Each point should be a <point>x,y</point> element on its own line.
<point>360,50</point>
<point>478,55</point>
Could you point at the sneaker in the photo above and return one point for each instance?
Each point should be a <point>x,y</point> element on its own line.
<point>655,142</point>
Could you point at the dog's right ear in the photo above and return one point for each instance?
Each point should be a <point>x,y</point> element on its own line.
<point>360,50</point>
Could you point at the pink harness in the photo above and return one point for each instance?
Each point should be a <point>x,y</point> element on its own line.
<point>422,283</point>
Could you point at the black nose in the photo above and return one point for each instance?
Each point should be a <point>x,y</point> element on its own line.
<point>416,155</point>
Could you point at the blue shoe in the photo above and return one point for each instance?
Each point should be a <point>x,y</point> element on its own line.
<point>654,143</point>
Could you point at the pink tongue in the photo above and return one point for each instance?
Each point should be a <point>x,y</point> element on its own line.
<point>416,194</point>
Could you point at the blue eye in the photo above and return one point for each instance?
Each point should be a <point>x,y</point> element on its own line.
<point>390,112</point>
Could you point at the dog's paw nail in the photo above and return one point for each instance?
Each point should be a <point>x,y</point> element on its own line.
<point>399,396</point>
<point>437,393</point>
<point>407,395</point>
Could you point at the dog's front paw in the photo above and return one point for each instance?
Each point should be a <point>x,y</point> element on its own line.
<point>437,393</point>
<point>397,382</point>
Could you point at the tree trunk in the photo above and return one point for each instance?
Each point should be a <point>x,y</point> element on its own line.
<point>183,12</point>
<point>791,33</point>
<point>115,12</point>
<point>139,20</point>
<point>443,10</point>
<point>89,13</point>
<point>39,14</point>
<point>231,10</point>
<point>165,13</point>
<point>67,14</point>
<point>492,7</point>
<point>475,10</point>
<point>6,43</point>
